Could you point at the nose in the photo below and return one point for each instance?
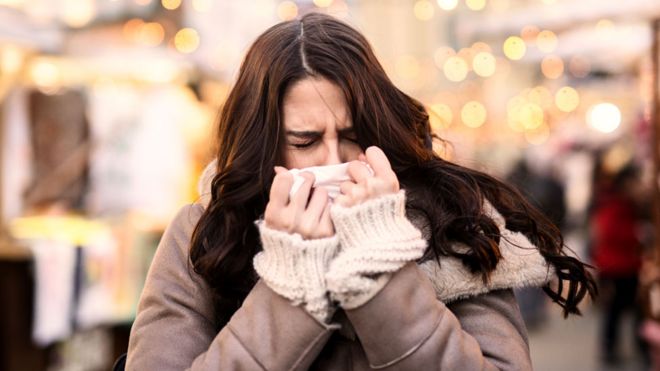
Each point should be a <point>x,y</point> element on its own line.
<point>333,156</point>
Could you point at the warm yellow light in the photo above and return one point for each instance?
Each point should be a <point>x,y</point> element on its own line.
<point>604,25</point>
<point>552,67</point>
<point>447,4</point>
<point>132,29</point>
<point>151,34</point>
<point>514,48</point>
<point>407,67</point>
<point>513,108</point>
<point>541,96</point>
<point>323,3</point>
<point>455,69</point>
<point>483,64</point>
<point>531,116</point>
<point>186,40</point>
<point>11,59</point>
<point>567,99</point>
<point>546,41</point>
<point>473,114</point>
<point>170,4</point>
<point>529,33</point>
<point>423,10</point>
<point>202,6</point>
<point>475,5</point>
<point>481,46</point>
<point>604,117</point>
<point>77,13</point>
<point>442,54</point>
<point>45,73</point>
<point>579,66</point>
<point>468,55</point>
<point>287,10</point>
<point>538,136</point>
<point>12,3</point>
<point>441,116</point>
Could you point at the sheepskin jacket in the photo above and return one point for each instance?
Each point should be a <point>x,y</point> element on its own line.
<point>427,317</point>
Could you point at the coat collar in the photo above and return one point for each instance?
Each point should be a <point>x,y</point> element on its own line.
<point>521,265</point>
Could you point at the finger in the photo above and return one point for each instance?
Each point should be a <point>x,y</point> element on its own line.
<point>379,163</point>
<point>316,204</point>
<point>326,227</point>
<point>299,200</point>
<point>362,157</point>
<point>279,169</point>
<point>346,188</point>
<point>358,171</point>
<point>343,200</point>
<point>279,190</point>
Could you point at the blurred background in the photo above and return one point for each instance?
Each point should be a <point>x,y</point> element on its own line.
<point>106,122</point>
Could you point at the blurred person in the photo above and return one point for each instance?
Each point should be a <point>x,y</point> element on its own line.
<point>616,252</point>
<point>545,192</point>
<point>410,266</point>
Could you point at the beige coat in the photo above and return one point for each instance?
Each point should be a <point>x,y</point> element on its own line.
<point>406,326</point>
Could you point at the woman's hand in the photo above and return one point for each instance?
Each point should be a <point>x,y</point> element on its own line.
<point>365,186</point>
<point>309,219</point>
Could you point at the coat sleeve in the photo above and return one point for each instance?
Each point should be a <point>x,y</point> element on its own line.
<point>175,324</point>
<point>405,327</point>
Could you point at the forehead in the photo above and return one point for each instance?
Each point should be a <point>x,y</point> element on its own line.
<point>313,103</point>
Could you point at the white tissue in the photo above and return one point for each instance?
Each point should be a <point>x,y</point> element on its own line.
<point>328,177</point>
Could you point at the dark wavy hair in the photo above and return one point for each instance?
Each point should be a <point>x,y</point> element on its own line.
<point>250,143</point>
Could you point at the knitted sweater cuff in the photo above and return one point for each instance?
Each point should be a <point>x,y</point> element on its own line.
<point>377,240</point>
<point>295,268</point>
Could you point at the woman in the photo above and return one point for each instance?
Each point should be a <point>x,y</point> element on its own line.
<point>412,266</point>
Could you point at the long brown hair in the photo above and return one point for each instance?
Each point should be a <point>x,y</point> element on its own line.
<point>250,135</point>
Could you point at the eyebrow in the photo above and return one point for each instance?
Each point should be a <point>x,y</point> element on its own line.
<point>311,133</point>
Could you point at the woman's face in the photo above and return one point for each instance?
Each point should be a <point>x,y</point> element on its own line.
<point>317,125</point>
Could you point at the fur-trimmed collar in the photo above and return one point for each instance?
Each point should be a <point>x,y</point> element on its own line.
<point>521,265</point>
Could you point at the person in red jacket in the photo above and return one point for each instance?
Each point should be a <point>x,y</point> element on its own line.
<point>616,251</point>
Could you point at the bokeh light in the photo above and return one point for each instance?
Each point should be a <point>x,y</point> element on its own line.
<point>170,4</point>
<point>44,73</point>
<point>423,10</point>
<point>455,69</point>
<point>323,3</point>
<point>447,4</point>
<point>484,64</point>
<point>481,46</point>
<point>567,99</point>
<point>552,67</point>
<point>473,114</point>
<point>78,13</point>
<point>604,117</point>
<point>441,116</point>
<point>151,34</point>
<point>546,41</point>
<point>579,66</point>
<point>441,55</point>
<point>514,48</point>
<point>202,6</point>
<point>186,40</point>
<point>541,96</point>
<point>475,5</point>
<point>529,33</point>
<point>538,135</point>
<point>287,10</point>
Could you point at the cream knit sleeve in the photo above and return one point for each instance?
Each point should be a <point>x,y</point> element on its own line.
<point>376,240</point>
<point>295,268</point>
